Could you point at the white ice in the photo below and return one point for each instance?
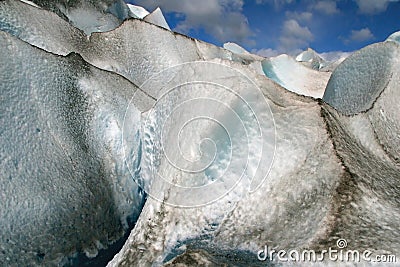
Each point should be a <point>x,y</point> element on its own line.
<point>138,11</point>
<point>295,77</point>
<point>156,17</point>
<point>311,59</point>
<point>30,3</point>
<point>360,79</point>
<point>395,37</point>
<point>235,48</point>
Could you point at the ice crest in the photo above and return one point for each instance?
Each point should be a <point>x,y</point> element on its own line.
<point>295,77</point>
<point>157,18</point>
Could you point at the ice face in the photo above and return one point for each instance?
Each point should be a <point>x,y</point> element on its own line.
<point>65,186</point>
<point>138,11</point>
<point>311,59</point>
<point>30,3</point>
<point>235,48</point>
<point>371,90</point>
<point>114,51</point>
<point>240,221</point>
<point>157,18</point>
<point>361,78</point>
<point>395,37</point>
<point>295,77</point>
<point>58,37</point>
<point>89,16</point>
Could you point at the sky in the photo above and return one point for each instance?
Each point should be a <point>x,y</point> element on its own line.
<point>272,27</point>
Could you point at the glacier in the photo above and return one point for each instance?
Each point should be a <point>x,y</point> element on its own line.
<point>117,129</point>
<point>138,11</point>
<point>296,77</point>
<point>311,59</point>
<point>157,18</point>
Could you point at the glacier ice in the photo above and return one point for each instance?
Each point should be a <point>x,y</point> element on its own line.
<point>94,123</point>
<point>68,188</point>
<point>30,3</point>
<point>395,37</point>
<point>235,48</point>
<point>233,224</point>
<point>295,77</point>
<point>89,16</point>
<point>157,18</point>
<point>138,11</point>
<point>311,59</point>
<point>361,78</point>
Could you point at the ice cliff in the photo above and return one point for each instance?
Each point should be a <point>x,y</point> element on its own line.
<point>113,125</point>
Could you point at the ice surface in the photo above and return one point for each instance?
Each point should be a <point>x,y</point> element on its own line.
<point>311,59</point>
<point>395,37</point>
<point>241,222</point>
<point>30,3</point>
<point>331,66</point>
<point>58,37</point>
<point>361,78</point>
<point>156,17</point>
<point>90,20</point>
<point>114,51</point>
<point>295,77</point>
<point>138,11</point>
<point>235,48</point>
<point>372,89</point>
<point>89,16</point>
<point>64,184</point>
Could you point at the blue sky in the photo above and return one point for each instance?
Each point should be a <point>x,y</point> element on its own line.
<point>270,27</point>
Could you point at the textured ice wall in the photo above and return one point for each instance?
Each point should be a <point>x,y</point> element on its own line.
<point>89,16</point>
<point>361,78</point>
<point>115,51</point>
<point>64,183</point>
<point>373,90</point>
<point>305,170</point>
<point>364,90</point>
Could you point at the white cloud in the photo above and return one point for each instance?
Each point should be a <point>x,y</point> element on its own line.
<point>299,16</point>
<point>222,19</point>
<point>334,55</point>
<point>276,3</point>
<point>294,37</point>
<point>373,6</point>
<point>266,52</point>
<point>327,7</point>
<point>361,35</point>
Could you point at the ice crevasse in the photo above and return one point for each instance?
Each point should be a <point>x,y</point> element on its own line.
<point>92,126</point>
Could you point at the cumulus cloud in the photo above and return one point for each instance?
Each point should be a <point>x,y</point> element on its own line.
<point>334,55</point>
<point>266,52</point>
<point>327,7</point>
<point>294,37</point>
<point>276,3</point>
<point>361,35</point>
<point>299,16</point>
<point>222,19</point>
<point>373,6</point>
